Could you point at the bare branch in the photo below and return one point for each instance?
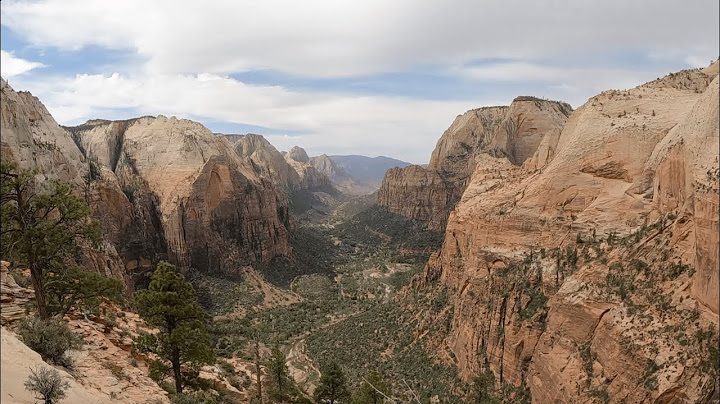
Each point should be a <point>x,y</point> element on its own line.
<point>376,389</point>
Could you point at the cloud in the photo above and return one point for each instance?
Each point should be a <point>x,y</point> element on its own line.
<point>332,38</point>
<point>320,122</point>
<point>568,81</point>
<point>13,66</point>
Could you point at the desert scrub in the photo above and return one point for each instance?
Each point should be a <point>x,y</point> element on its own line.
<point>50,338</point>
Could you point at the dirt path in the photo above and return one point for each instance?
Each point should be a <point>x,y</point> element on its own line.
<point>301,367</point>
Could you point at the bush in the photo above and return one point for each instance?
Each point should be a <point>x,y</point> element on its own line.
<point>47,384</point>
<point>50,338</point>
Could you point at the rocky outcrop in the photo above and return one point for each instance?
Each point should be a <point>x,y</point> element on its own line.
<point>267,161</point>
<point>192,198</point>
<point>32,138</point>
<point>310,177</point>
<point>581,270</point>
<point>298,154</point>
<point>162,188</point>
<point>516,133</point>
<point>15,299</point>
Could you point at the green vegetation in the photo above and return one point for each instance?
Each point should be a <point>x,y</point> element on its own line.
<point>373,390</point>
<point>483,389</point>
<point>183,340</point>
<point>281,383</point>
<point>42,230</point>
<point>50,338</point>
<point>332,386</point>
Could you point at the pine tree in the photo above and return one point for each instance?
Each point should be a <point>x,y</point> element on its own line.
<point>183,340</point>
<point>279,374</point>
<point>332,386</point>
<point>368,392</point>
<point>42,231</point>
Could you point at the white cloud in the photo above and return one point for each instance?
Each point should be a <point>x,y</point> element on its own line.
<point>13,66</point>
<point>180,50</point>
<point>323,38</point>
<point>325,122</point>
<point>573,85</point>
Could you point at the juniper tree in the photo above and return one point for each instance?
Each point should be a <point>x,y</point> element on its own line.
<point>183,339</point>
<point>42,230</point>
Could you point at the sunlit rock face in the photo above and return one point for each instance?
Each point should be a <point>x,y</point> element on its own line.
<point>581,265</point>
<point>525,132</point>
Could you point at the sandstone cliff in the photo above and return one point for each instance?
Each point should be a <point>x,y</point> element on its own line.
<point>32,138</point>
<point>163,188</point>
<point>310,177</point>
<point>590,272</point>
<point>514,133</point>
<point>185,194</point>
<point>267,161</point>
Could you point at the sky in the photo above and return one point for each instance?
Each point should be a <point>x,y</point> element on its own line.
<point>371,77</point>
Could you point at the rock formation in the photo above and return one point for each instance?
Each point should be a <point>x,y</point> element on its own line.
<point>32,138</point>
<point>310,177</point>
<point>514,133</point>
<point>191,196</point>
<point>267,161</point>
<point>584,264</point>
<point>163,188</point>
<point>340,179</point>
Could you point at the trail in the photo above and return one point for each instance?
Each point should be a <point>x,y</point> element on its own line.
<point>303,375</point>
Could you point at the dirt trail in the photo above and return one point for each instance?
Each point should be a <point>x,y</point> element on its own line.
<point>307,373</point>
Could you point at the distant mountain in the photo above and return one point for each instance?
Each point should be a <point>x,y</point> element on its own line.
<point>368,169</point>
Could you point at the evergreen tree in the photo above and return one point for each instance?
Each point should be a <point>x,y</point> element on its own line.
<point>42,231</point>
<point>332,386</point>
<point>483,389</point>
<point>368,393</point>
<point>183,340</point>
<point>279,374</point>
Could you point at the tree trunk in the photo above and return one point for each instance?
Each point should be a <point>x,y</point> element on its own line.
<point>176,370</point>
<point>37,282</point>
<point>257,369</point>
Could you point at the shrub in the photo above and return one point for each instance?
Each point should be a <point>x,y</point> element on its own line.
<point>50,338</point>
<point>47,384</point>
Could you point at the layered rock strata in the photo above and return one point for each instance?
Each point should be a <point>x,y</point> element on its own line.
<point>591,270</point>
<point>514,133</point>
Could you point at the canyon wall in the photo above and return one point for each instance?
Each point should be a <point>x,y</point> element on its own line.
<point>513,133</point>
<point>195,199</point>
<point>583,265</point>
<point>163,188</point>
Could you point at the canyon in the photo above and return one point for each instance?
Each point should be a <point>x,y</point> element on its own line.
<point>570,254</point>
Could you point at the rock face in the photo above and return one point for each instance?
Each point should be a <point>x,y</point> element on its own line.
<point>581,264</point>
<point>267,161</point>
<point>15,299</point>
<point>310,177</point>
<point>163,188</point>
<point>343,181</point>
<point>186,194</point>
<point>514,133</point>
<point>298,154</point>
<point>32,138</point>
